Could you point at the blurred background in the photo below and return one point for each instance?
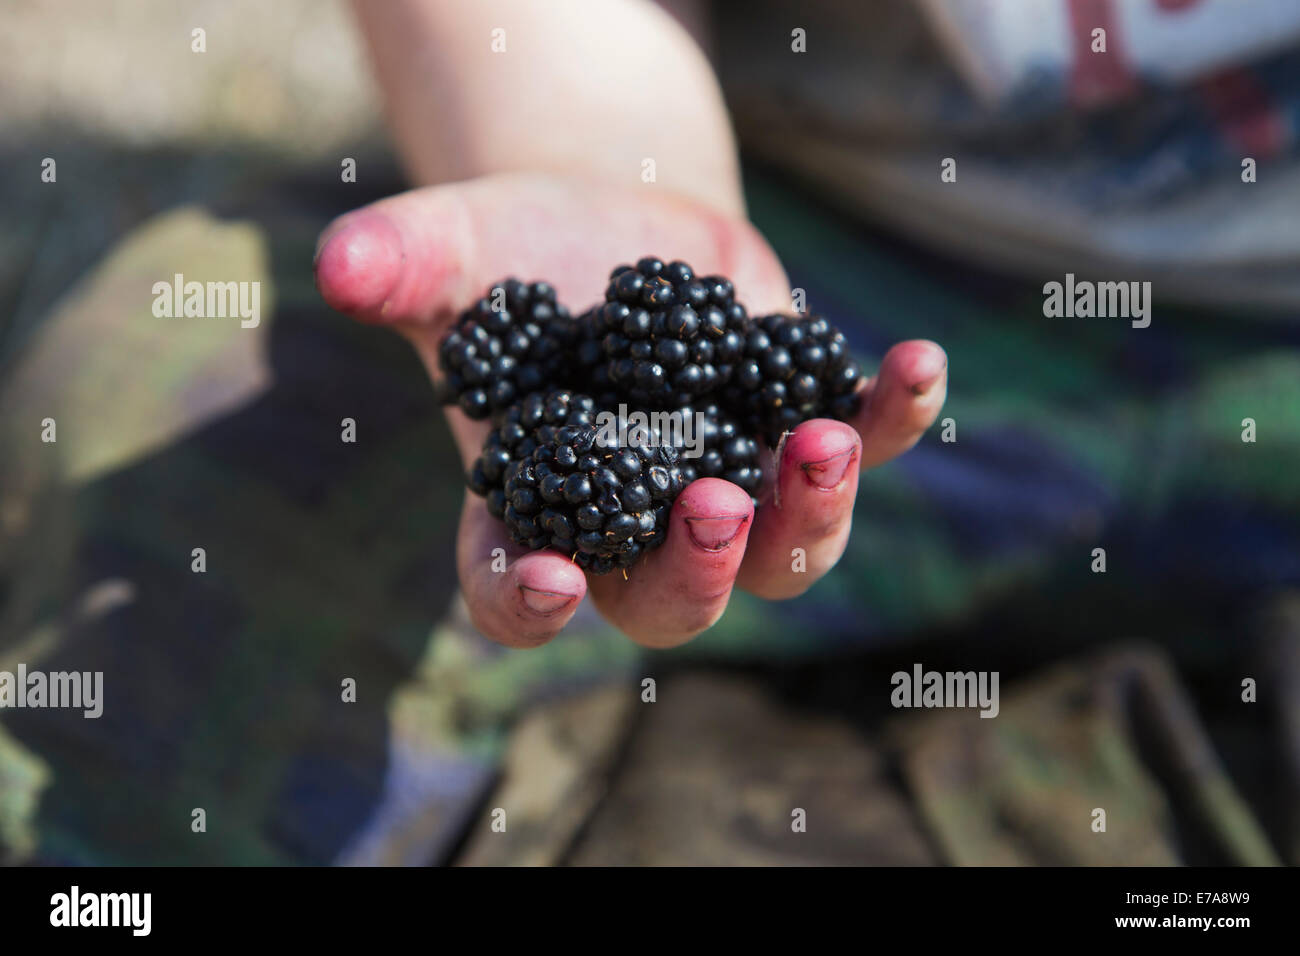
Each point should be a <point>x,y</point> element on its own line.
<point>1120,690</point>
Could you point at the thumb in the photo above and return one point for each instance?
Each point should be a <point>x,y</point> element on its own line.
<point>414,260</point>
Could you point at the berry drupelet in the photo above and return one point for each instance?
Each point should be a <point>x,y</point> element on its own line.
<point>513,341</point>
<point>726,452</point>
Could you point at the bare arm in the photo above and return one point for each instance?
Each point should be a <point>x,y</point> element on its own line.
<point>594,87</point>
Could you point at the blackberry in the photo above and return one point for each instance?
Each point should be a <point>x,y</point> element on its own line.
<point>603,504</point>
<point>725,451</point>
<point>524,425</point>
<point>667,337</point>
<point>664,340</point>
<point>515,340</point>
<point>793,368</point>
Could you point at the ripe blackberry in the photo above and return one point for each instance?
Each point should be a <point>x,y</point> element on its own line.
<point>524,425</point>
<point>664,340</point>
<point>667,336</point>
<point>602,504</point>
<point>793,368</point>
<point>515,340</point>
<point>726,451</point>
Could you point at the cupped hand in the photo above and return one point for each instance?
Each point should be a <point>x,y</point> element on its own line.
<point>415,261</point>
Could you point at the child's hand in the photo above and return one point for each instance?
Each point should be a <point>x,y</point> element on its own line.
<point>414,261</point>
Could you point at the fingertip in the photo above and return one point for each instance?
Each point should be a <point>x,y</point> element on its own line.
<point>710,494</point>
<point>358,264</point>
<point>682,588</point>
<point>803,531</point>
<point>518,599</point>
<point>715,515</point>
<point>821,453</point>
<point>902,401</point>
<point>533,603</point>
<point>548,582</point>
<point>917,365</point>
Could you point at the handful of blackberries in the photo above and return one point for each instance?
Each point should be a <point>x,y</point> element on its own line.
<point>601,420</point>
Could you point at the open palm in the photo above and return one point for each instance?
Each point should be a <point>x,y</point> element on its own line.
<point>414,261</point>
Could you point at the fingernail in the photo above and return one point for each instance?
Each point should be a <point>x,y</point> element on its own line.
<point>829,472</point>
<point>715,534</point>
<point>545,602</point>
<point>920,388</point>
<point>927,379</point>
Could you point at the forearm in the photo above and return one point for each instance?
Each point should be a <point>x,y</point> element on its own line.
<point>592,88</point>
